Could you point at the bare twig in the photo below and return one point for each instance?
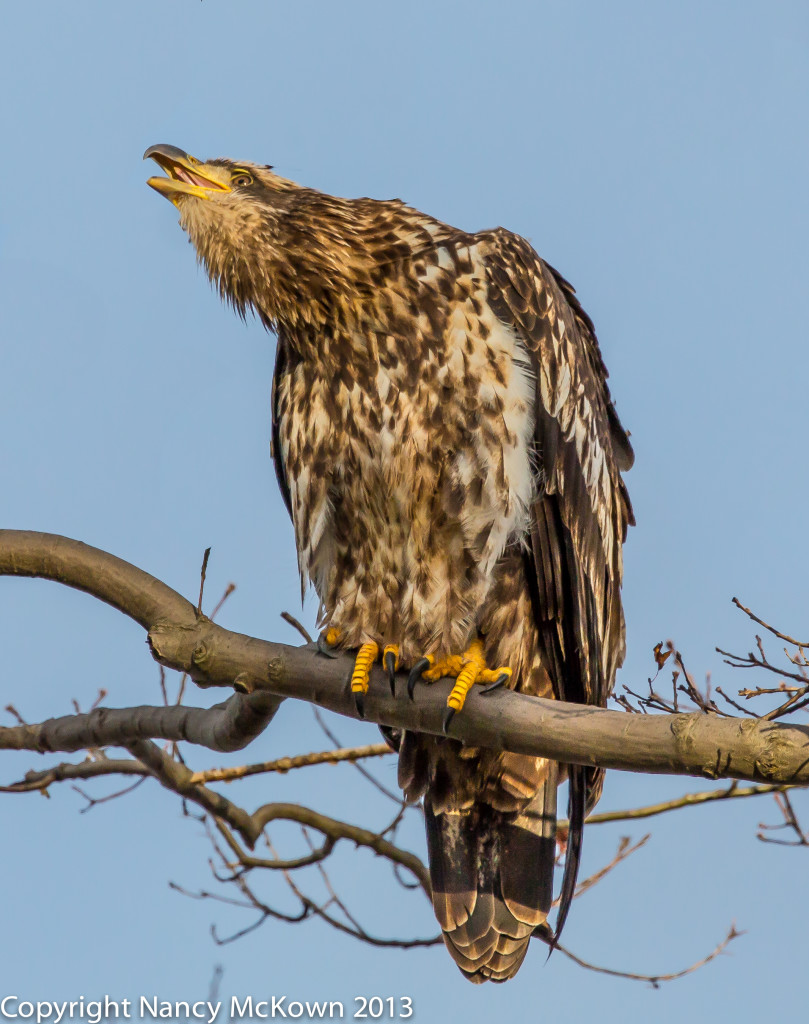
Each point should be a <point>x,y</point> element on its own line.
<point>625,849</point>
<point>218,606</point>
<point>744,711</point>
<point>331,736</point>
<point>93,801</point>
<point>15,714</point>
<point>287,617</point>
<point>790,821</point>
<point>760,691</point>
<point>732,792</point>
<point>767,626</point>
<point>655,980</point>
<point>353,929</point>
<point>247,860</point>
<point>34,782</point>
<point>287,764</point>
<point>202,574</point>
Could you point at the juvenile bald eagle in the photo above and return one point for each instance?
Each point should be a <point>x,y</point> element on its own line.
<point>446,445</point>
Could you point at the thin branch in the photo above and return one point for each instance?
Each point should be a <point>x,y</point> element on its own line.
<point>266,911</point>
<point>767,626</point>
<point>202,574</point>
<point>655,980</point>
<point>733,704</point>
<point>355,930</point>
<point>331,736</point>
<point>229,589</point>
<point>177,778</point>
<point>93,801</point>
<point>287,764</point>
<point>790,821</point>
<point>304,632</point>
<point>228,726</point>
<point>625,849</point>
<point>687,800</point>
<point>751,661</point>
<point>88,769</point>
<point>246,860</point>
<point>760,691</point>
<point>342,830</point>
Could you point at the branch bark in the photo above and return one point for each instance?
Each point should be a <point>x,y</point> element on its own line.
<point>679,744</point>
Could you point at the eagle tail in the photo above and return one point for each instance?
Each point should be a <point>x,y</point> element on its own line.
<point>492,879</point>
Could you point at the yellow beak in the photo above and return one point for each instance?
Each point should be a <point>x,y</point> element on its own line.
<point>186,177</point>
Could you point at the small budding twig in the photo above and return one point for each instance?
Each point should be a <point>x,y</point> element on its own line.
<point>286,764</point>
<point>202,574</point>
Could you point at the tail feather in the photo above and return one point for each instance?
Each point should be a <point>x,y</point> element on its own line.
<point>492,878</point>
<point>577,805</point>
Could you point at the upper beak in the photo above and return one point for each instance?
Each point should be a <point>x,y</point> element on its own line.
<point>185,175</point>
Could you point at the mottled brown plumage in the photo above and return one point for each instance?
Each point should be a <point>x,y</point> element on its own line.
<point>449,453</point>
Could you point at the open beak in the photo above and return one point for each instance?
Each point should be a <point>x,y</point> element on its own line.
<point>186,177</point>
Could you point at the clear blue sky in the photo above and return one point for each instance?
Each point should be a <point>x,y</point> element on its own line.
<point>657,155</point>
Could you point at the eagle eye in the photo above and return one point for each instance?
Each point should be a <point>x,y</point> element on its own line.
<point>241,178</point>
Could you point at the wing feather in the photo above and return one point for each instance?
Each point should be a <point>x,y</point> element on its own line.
<point>581,511</point>
<point>282,367</point>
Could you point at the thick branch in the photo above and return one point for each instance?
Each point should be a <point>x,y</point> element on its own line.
<point>110,579</point>
<point>691,744</point>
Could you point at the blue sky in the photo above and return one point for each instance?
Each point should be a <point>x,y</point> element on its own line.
<point>657,155</point>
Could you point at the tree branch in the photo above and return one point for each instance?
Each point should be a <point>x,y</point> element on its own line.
<point>224,727</point>
<point>179,779</point>
<point>655,979</point>
<point>682,744</point>
<point>732,792</point>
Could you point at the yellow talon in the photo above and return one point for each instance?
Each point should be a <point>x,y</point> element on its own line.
<point>366,656</point>
<point>449,666</point>
<point>493,675</point>
<point>467,668</point>
<point>332,636</point>
<point>474,663</point>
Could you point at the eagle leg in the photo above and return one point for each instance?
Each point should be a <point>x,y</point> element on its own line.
<point>467,669</point>
<point>361,673</point>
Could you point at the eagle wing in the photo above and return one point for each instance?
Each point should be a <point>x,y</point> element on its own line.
<point>581,511</point>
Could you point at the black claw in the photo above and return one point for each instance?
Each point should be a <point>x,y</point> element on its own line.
<point>390,665</point>
<point>324,649</point>
<point>500,681</point>
<point>415,674</point>
<point>449,714</point>
<point>359,704</point>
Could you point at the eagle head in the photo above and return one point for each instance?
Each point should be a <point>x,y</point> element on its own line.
<point>237,215</point>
